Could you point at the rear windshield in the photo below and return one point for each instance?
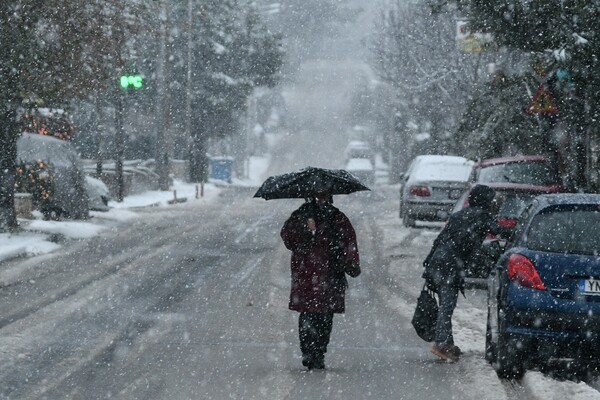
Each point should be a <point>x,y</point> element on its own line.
<point>571,230</point>
<point>442,172</point>
<point>533,173</point>
<point>513,204</point>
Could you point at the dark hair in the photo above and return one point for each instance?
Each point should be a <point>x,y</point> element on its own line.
<point>481,196</point>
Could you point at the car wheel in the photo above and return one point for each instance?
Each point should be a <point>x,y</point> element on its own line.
<point>409,221</point>
<point>509,358</point>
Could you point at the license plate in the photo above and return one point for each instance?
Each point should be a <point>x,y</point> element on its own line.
<point>590,286</point>
<point>455,193</point>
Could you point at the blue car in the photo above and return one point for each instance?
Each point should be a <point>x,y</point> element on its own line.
<point>544,292</point>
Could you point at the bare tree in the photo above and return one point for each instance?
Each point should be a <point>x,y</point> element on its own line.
<point>415,53</point>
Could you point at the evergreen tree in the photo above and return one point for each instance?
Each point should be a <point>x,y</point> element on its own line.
<point>234,53</point>
<point>47,56</point>
<point>563,37</point>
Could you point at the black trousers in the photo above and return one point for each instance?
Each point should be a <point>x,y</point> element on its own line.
<point>314,330</point>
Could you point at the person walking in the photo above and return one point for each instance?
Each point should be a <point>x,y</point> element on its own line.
<point>324,250</point>
<point>461,236</point>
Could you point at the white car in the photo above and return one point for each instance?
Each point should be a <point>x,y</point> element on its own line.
<point>431,186</point>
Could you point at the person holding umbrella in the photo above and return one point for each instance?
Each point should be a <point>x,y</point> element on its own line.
<point>324,250</point>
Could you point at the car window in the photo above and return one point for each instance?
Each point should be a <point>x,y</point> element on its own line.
<point>513,204</point>
<point>537,173</point>
<point>566,230</point>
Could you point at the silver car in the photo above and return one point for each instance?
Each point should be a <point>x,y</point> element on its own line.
<point>430,187</point>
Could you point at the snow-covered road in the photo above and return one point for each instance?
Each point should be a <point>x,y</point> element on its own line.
<point>191,302</point>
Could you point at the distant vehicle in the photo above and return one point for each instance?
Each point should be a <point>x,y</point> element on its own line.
<point>70,197</point>
<point>528,170</point>
<point>98,194</point>
<point>359,149</point>
<point>363,169</point>
<point>544,291</point>
<point>431,186</point>
<point>511,199</point>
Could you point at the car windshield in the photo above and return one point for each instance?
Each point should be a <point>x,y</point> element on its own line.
<point>572,230</point>
<point>532,173</point>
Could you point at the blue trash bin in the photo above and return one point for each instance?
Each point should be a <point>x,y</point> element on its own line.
<point>220,168</point>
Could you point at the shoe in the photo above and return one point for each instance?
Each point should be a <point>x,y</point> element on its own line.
<point>313,361</point>
<point>445,352</point>
<point>456,350</point>
<point>307,360</point>
<point>319,362</point>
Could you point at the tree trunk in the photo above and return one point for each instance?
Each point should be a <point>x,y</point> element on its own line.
<point>398,149</point>
<point>99,139</point>
<point>8,159</point>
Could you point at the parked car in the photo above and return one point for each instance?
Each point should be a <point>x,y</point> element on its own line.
<point>544,292</point>
<point>69,198</point>
<point>431,186</point>
<point>510,201</point>
<point>363,169</point>
<point>532,170</point>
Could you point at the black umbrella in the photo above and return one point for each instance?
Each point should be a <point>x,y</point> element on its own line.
<point>308,182</point>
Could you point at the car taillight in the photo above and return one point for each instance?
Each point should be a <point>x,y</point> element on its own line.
<point>420,191</point>
<point>507,222</point>
<point>522,272</point>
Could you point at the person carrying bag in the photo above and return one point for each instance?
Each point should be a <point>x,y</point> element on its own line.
<point>425,316</point>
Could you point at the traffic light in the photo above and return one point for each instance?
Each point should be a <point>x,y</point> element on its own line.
<point>134,81</point>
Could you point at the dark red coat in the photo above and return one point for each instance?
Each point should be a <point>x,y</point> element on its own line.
<point>316,285</point>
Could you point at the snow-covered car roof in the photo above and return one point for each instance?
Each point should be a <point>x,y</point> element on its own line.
<point>34,147</point>
<point>441,168</point>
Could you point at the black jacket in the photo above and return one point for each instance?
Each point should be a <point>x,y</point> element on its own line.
<point>463,234</point>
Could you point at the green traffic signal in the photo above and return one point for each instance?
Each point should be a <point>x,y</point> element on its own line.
<point>135,81</point>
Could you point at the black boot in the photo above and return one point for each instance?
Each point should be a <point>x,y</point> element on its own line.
<point>318,361</point>
<point>308,360</point>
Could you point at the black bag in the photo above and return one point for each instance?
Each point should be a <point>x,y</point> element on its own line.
<point>425,316</point>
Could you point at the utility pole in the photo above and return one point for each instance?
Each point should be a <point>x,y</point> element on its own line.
<point>119,144</point>
<point>189,86</point>
<point>163,103</point>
